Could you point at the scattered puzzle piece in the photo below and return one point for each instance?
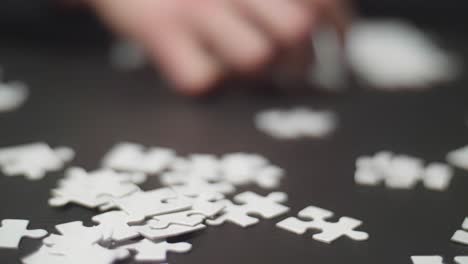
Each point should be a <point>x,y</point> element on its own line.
<point>267,207</point>
<point>461,236</point>
<point>33,160</point>
<point>437,260</point>
<point>330,231</point>
<point>114,225</point>
<point>141,205</point>
<point>459,158</point>
<point>133,157</point>
<point>12,230</point>
<point>12,95</point>
<point>172,230</point>
<point>148,250</point>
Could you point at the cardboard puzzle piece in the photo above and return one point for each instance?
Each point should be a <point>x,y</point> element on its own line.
<point>172,230</point>
<point>147,250</point>
<point>461,236</point>
<point>142,205</point>
<point>33,160</point>
<point>94,188</point>
<point>437,260</point>
<point>315,219</point>
<point>133,157</point>
<point>114,225</point>
<point>13,230</point>
<point>251,204</point>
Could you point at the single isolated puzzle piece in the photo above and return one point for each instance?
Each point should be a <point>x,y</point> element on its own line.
<point>141,205</point>
<point>12,95</point>
<point>330,231</point>
<point>172,230</point>
<point>12,230</point>
<point>33,160</point>
<point>251,204</point>
<point>437,260</point>
<point>461,236</point>
<point>148,250</point>
<point>114,225</point>
<point>136,158</point>
<point>437,176</point>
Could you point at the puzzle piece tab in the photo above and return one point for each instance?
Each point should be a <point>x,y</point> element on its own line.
<point>114,225</point>
<point>267,207</point>
<point>148,250</point>
<point>12,230</point>
<point>330,231</point>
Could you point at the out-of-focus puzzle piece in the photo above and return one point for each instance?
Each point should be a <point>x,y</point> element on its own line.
<point>141,205</point>
<point>461,236</point>
<point>148,250</point>
<point>94,188</point>
<point>437,260</point>
<point>13,230</point>
<point>251,203</point>
<point>12,94</point>
<point>33,160</point>
<point>317,221</point>
<point>170,231</point>
<point>133,157</point>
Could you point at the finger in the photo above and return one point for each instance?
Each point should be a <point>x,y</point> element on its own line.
<point>333,12</point>
<point>286,21</point>
<point>184,61</point>
<point>238,43</point>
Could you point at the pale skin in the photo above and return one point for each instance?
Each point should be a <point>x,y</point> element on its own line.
<point>197,43</point>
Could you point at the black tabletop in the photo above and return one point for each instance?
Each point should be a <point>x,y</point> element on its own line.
<point>78,100</point>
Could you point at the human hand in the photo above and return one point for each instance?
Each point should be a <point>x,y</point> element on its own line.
<point>198,42</point>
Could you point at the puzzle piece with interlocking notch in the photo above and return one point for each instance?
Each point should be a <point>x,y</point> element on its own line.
<point>114,225</point>
<point>251,204</point>
<point>172,230</point>
<point>92,189</point>
<point>461,236</point>
<point>147,250</point>
<point>133,157</point>
<point>201,208</point>
<point>13,230</point>
<point>72,235</point>
<point>33,160</point>
<point>315,219</point>
<point>142,205</point>
<point>437,260</point>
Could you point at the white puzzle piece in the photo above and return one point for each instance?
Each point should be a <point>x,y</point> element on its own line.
<point>437,176</point>
<point>133,157</point>
<point>72,235</point>
<point>12,230</point>
<point>461,236</point>
<point>91,254</point>
<point>315,219</point>
<point>94,188</point>
<point>12,95</point>
<point>148,250</point>
<point>201,208</point>
<point>33,160</point>
<point>267,207</point>
<point>459,158</point>
<point>437,260</point>
<point>172,230</point>
<point>427,260</point>
<point>114,225</point>
<point>141,205</point>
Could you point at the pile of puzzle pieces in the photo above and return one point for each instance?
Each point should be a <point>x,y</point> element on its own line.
<point>131,222</point>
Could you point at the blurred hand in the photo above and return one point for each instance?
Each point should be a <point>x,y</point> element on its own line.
<point>198,42</point>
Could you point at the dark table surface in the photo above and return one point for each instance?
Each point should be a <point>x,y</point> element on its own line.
<point>78,100</point>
